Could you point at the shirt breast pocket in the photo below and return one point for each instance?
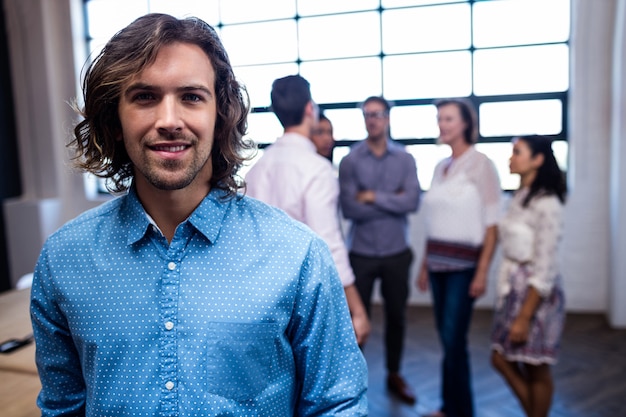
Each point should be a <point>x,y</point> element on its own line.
<point>241,358</point>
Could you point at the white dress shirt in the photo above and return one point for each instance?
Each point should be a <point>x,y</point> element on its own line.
<point>293,177</point>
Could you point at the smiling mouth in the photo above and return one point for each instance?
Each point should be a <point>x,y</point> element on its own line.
<point>178,148</point>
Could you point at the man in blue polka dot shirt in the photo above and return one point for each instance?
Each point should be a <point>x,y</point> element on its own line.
<point>181,297</point>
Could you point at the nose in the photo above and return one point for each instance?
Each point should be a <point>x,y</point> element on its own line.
<point>169,115</point>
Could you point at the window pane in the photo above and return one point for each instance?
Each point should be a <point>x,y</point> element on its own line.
<point>343,80</point>
<point>258,153</point>
<point>95,46</point>
<point>248,44</point>
<point>347,35</point>
<point>258,80</point>
<point>542,117</point>
<point>338,154</point>
<point>403,3</point>
<point>238,11</point>
<point>348,124</point>
<point>560,149</point>
<point>207,10</point>
<point>313,7</point>
<point>500,153</point>
<point>263,127</point>
<point>426,158</point>
<point>519,22</point>
<point>518,70</point>
<point>446,74</point>
<point>419,29</point>
<point>409,122</point>
<point>107,17</point>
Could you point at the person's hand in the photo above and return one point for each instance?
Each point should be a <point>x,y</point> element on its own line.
<point>367,196</point>
<point>362,328</point>
<point>518,333</point>
<point>478,285</point>
<point>422,280</point>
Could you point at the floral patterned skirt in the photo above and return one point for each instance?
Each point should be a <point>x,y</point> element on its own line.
<point>546,326</point>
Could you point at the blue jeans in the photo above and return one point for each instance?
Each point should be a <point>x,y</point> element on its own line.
<point>453,312</point>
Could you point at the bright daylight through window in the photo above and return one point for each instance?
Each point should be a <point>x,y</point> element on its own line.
<point>510,57</point>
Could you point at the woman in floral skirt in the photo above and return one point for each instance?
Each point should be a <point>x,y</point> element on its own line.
<point>530,314</point>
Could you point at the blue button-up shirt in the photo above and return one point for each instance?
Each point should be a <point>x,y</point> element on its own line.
<point>381,228</point>
<point>241,314</point>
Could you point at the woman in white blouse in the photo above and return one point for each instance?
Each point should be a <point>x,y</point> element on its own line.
<point>530,312</point>
<point>461,210</point>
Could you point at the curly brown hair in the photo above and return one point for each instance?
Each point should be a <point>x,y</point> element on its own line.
<point>130,51</point>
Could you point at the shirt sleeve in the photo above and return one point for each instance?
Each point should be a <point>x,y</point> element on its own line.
<point>62,385</point>
<point>348,184</point>
<point>547,229</point>
<point>321,211</point>
<point>395,203</point>
<point>491,192</point>
<point>330,366</point>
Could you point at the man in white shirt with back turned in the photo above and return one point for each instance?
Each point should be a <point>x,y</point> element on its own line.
<point>292,176</point>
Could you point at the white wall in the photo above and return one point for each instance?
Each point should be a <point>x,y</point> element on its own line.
<point>586,243</point>
<point>45,65</point>
<point>588,248</point>
<point>617,311</point>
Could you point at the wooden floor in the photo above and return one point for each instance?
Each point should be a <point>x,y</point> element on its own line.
<point>590,377</point>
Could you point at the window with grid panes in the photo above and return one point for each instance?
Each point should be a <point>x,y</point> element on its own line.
<point>510,57</point>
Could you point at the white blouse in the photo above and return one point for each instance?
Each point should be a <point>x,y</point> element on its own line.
<point>530,235</point>
<point>463,199</point>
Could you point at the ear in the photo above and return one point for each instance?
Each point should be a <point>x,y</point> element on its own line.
<point>537,160</point>
<point>311,110</point>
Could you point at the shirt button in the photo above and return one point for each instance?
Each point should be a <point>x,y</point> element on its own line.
<point>171,266</point>
<point>169,385</point>
<point>169,325</point>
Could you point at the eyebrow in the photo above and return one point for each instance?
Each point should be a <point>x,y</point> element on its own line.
<point>139,86</point>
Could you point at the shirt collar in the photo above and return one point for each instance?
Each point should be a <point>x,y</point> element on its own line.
<point>391,148</point>
<point>467,154</point>
<point>207,218</point>
<point>296,139</point>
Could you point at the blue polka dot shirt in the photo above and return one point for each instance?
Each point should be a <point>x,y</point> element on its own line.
<point>242,314</point>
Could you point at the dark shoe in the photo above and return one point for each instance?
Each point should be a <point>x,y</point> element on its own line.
<point>397,385</point>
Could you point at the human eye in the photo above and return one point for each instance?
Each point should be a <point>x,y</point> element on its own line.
<point>142,96</point>
<point>192,97</point>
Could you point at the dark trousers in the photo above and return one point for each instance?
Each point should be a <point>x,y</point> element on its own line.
<point>393,272</point>
<point>453,312</point>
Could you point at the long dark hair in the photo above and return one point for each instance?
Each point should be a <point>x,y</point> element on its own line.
<point>550,180</point>
<point>131,50</point>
